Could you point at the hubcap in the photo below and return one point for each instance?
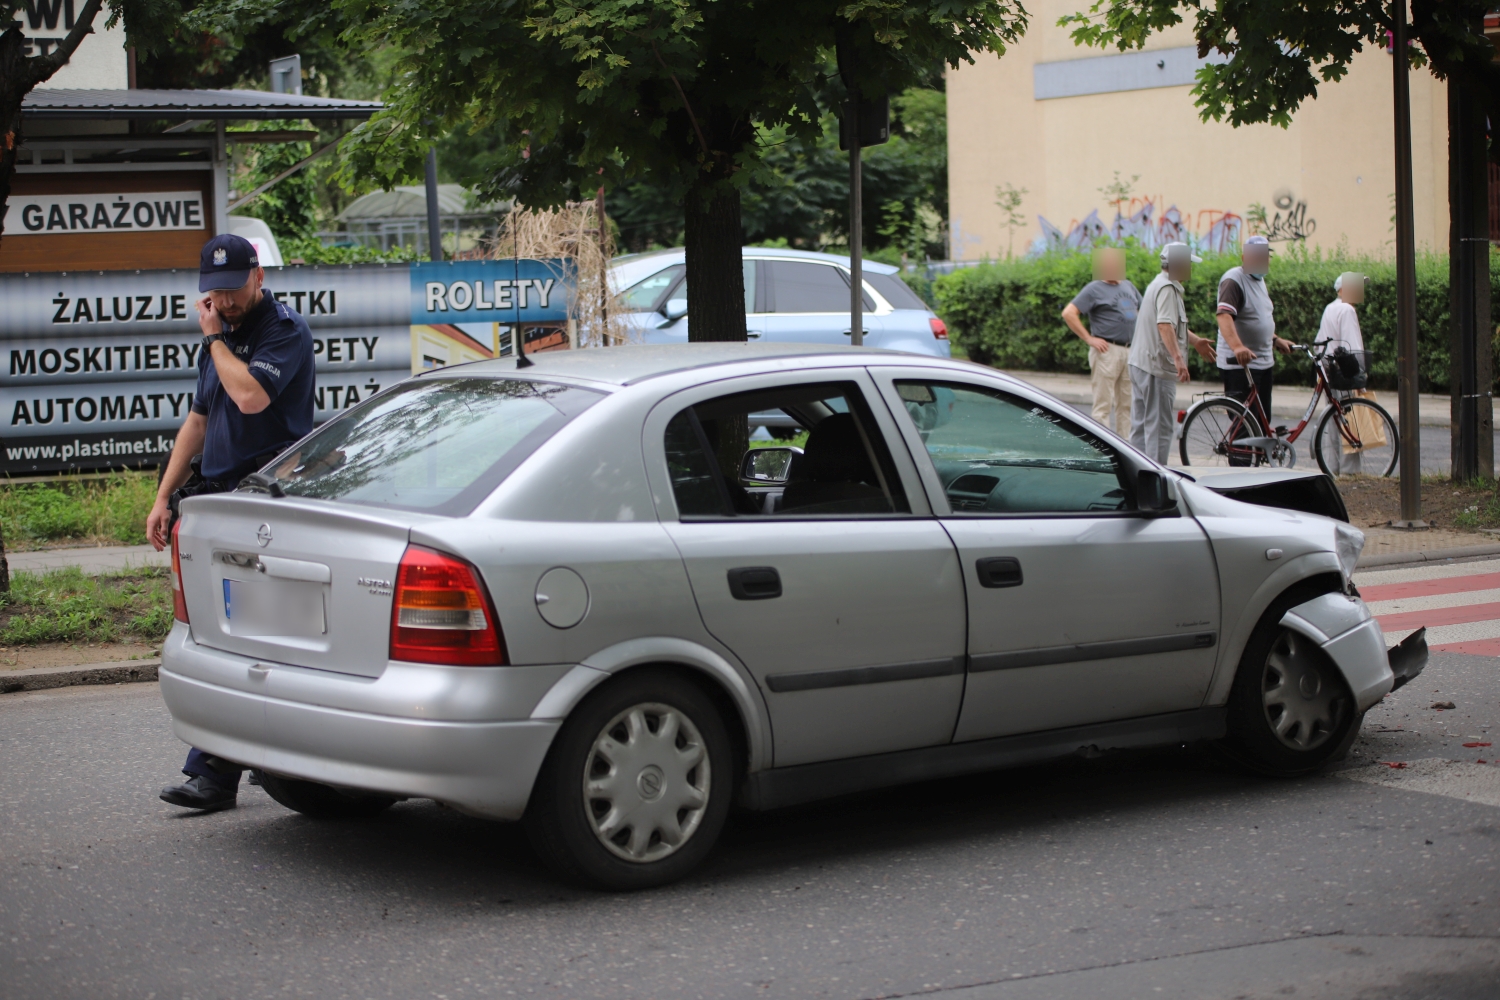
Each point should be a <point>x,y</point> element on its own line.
<point>1303,706</point>
<point>646,782</point>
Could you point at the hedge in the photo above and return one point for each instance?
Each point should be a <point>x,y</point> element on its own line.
<point>1008,314</point>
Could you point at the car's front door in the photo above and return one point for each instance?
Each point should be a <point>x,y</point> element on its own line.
<point>1081,609</point>
<point>844,603</point>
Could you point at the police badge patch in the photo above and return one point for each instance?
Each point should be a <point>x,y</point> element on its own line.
<point>221,257</point>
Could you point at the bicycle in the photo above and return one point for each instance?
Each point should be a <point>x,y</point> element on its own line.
<point>1353,435</point>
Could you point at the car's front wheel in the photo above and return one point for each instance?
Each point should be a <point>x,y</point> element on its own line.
<point>1290,710</point>
<point>323,801</point>
<point>636,786</point>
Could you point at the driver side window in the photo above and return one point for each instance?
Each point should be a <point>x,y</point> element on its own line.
<point>1000,454</point>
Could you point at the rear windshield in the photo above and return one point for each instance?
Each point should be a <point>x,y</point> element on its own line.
<point>431,444</point>
<point>897,292</point>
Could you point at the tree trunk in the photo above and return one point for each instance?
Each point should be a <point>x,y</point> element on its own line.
<point>715,269</point>
<point>1471,353</point>
<point>15,84</point>
<point>4,567</point>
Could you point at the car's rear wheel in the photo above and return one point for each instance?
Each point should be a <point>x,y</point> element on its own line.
<point>323,801</point>
<point>636,786</point>
<point>1290,710</point>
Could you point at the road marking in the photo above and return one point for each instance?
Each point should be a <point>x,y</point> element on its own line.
<point>1439,585</point>
<point>1458,603</point>
<point>1464,780</point>
<point>1431,602</point>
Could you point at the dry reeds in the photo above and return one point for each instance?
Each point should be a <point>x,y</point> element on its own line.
<point>573,234</point>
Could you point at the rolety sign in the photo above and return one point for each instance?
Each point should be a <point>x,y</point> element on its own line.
<point>97,369</point>
<point>146,211</point>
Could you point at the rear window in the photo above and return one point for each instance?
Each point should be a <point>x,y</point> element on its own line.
<point>895,291</point>
<point>436,445</point>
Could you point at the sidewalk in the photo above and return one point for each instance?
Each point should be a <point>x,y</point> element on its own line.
<point>1288,401</point>
<point>94,559</point>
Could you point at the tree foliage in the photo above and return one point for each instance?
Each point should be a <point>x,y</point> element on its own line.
<point>1275,53</point>
<point>688,96</point>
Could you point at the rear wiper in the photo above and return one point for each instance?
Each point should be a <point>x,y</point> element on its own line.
<point>262,483</point>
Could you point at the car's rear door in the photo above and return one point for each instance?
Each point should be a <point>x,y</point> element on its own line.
<point>1081,609</point>
<point>852,623</point>
<point>807,302</point>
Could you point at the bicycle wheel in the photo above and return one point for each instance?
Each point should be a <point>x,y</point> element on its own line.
<point>1209,429</point>
<point>1360,441</point>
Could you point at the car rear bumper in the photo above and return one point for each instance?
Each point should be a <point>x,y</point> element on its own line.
<point>478,766</point>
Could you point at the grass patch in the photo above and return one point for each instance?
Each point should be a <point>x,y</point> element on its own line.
<point>106,511</point>
<point>68,605</point>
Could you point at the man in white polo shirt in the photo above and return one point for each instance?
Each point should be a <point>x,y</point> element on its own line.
<point>1158,353</point>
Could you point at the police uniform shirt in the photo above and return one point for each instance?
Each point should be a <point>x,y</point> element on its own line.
<point>276,344</point>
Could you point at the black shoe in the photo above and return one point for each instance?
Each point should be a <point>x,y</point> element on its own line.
<point>253,778</point>
<point>199,792</point>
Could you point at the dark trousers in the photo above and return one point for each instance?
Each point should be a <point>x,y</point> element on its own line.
<point>1237,386</point>
<point>220,772</point>
<point>200,764</point>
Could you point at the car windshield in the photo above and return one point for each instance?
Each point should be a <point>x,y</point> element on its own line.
<point>438,445</point>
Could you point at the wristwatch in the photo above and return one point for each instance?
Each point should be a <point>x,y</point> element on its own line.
<point>208,342</point>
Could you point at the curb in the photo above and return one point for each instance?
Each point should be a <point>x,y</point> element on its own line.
<point>1430,555</point>
<point>41,678</point>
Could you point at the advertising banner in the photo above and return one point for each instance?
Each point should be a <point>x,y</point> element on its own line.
<point>146,211</point>
<point>97,369</point>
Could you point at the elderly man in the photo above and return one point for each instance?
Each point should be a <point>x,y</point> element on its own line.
<point>1110,302</point>
<point>254,397</point>
<point>1158,353</point>
<point>1340,329</point>
<point>1247,329</point>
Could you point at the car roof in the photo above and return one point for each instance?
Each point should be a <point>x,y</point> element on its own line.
<point>634,363</point>
<point>641,262</point>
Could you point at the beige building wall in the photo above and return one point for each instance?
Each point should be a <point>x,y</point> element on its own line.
<point>1337,156</point>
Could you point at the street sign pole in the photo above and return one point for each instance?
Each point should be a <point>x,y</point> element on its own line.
<point>856,231</point>
<point>434,232</point>
<point>1406,284</point>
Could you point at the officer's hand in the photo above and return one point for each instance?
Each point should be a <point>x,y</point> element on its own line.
<point>209,320</point>
<point>156,525</point>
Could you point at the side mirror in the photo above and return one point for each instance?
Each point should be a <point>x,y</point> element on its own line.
<point>674,310</point>
<point>1151,494</point>
<point>768,465</point>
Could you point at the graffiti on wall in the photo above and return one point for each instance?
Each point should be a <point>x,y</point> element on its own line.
<point>1212,229</point>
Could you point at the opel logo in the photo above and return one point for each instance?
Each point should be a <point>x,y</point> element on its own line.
<point>263,535</point>
<point>650,782</point>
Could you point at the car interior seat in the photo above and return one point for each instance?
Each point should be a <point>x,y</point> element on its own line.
<point>834,472</point>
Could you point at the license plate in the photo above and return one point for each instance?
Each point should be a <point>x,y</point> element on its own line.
<point>269,607</point>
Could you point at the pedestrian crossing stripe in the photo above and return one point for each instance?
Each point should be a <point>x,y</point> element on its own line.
<point>1458,603</point>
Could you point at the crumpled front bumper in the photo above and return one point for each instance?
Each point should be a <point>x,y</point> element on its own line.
<point>285,720</point>
<point>1344,628</point>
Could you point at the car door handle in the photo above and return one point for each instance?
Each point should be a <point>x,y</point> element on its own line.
<point>755,583</point>
<point>999,571</point>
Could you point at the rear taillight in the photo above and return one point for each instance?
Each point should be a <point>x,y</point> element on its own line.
<point>441,613</point>
<point>179,600</point>
<point>939,328</point>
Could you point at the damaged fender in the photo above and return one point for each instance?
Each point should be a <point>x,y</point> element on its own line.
<point>1344,628</point>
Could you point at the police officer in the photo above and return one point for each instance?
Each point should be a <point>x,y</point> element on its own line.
<point>254,398</point>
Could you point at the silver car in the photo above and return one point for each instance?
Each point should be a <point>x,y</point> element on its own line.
<point>791,296</point>
<point>576,595</point>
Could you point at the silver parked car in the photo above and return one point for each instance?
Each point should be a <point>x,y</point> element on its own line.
<point>571,595</point>
<point>791,296</point>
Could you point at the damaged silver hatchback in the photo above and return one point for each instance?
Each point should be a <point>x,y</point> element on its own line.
<point>592,595</point>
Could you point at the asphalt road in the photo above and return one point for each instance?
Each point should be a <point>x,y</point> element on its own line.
<point>1162,874</point>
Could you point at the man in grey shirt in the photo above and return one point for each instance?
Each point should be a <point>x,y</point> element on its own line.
<point>1158,353</point>
<point>1110,302</point>
<point>1247,330</point>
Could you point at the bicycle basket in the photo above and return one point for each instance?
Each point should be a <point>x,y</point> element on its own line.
<point>1346,370</point>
